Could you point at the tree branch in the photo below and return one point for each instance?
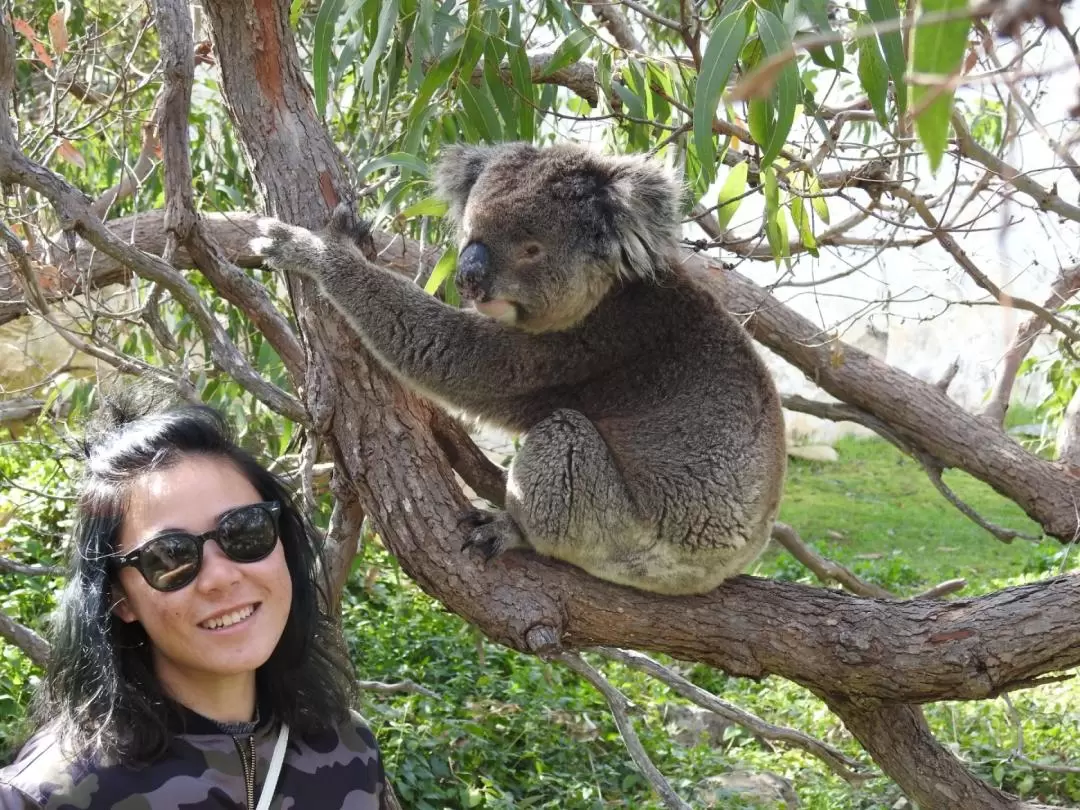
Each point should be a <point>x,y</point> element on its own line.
<point>946,240</point>
<point>617,24</point>
<point>824,569</point>
<point>1045,200</point>
<point>34,646</point>
<point>839,763</point>
<point>620,710</point>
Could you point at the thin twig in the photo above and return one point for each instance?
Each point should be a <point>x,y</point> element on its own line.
<point>620,709</point>
<point>823,568</point>
<point>24,569</point>
<point>401,687</point>
<point>946,240</point>
<point>838,762</point>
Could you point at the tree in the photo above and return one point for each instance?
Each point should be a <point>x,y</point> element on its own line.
<point>736,94</point>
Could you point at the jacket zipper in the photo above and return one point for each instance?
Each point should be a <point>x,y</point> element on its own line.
<point>247,763</point>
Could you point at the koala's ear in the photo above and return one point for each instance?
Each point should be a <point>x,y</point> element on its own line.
<point>456,173</point>
<point>644,202</point>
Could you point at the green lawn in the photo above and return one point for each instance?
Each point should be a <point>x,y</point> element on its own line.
<point>877,512</point>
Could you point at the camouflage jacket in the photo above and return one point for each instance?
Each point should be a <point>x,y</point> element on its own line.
<point>204,768</point>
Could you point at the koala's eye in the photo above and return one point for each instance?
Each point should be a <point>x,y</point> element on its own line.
<point>532,250</point>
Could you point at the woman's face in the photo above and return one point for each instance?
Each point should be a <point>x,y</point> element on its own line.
<point>193,655</point>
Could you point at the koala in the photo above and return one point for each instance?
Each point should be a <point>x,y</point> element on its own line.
<point>653,452</point>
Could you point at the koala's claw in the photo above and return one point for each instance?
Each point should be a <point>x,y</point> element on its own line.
<point>345,224</point>
<point>491,532</point>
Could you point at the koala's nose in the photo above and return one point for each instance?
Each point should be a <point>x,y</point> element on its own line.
<point>472,270</point>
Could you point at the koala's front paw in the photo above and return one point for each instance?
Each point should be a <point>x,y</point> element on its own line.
<point>491,532</point>
<point>345,225</point>
<point>289,249</point>
<point>297,250</point>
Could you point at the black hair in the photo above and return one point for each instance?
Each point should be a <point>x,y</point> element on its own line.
<point>100,689</point>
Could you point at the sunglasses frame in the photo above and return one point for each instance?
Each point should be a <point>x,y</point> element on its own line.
<point>133,558</point>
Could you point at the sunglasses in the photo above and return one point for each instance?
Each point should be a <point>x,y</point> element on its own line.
<point>171,560</point>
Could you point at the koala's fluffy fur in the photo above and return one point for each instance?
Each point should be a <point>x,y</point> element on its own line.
<point>654,450</point>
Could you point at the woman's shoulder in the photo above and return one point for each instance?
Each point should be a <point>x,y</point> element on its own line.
<point>343,762</point>
<point>42,767</point>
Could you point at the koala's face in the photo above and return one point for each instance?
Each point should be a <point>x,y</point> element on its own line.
<point>541,242</point>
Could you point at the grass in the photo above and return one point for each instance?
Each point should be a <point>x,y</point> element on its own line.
<point>877,512</point>
<point>510,731</point>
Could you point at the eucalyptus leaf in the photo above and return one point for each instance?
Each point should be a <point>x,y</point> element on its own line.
<point>731,193</point>
<point>721,51</point>
<point>873,77</point>
<point>388,14</point>
<point>892,46</point>
<point>785,96</point>
<point>322,52</point>
<point>936,49</point>
<point>570,50</point>
<point>442,271</point>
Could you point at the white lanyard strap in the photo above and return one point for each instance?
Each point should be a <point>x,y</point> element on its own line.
<point>275,768</point>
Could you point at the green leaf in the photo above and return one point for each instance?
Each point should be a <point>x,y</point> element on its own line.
<point>818,14</point>
<point>427,207</point>
<point>731,194</point>
<point>388,15</point>
<point>725,43</point>
<point>436,78</point>
<point>633,104</point>
<point>480,110</point>
<point>322,51</point>
<point>936,49</point>
<point>443,269</point>
<point>817,200</point>
<point>873,77</point>
<point>785,96</point>
<point>296,9</point>
<point>569,51</point>
<point>494,49</point>
<point>802,224</point>
<point>521,77</point>
<point>774,227</point>
<point>892,45</point>
<point>408,163</point>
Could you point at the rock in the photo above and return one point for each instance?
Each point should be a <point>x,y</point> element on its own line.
<point>694,725</point>
<point>762,791</point>
<point>814,452</point>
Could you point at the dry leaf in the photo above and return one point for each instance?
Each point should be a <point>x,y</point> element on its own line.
<point>759,82</point>
<point>24,28</point>
<point>970,60</point>
<point>71,154</point>
<point>58,33</point>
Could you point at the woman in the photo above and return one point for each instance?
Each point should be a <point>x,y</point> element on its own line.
<point>192,648</point>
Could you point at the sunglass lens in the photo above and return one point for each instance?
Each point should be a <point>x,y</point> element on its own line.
<point>248,534</point>
<point>170,561</point>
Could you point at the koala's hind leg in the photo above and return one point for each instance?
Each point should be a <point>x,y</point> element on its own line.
<point>566,499</point>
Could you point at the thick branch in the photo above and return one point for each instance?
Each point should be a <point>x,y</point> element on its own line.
<point>901,742</point>
<point>617,24</point>
<point>35,647</point>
